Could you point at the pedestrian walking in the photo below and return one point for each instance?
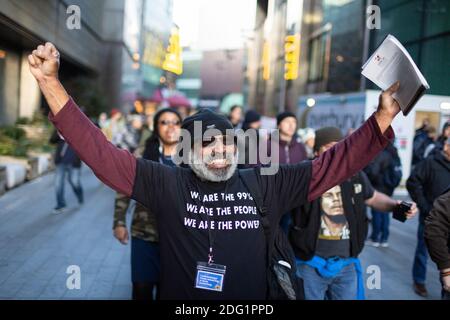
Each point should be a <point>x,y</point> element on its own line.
<point>427,181</point>
<point>68,166</point>
<point>385,174</point>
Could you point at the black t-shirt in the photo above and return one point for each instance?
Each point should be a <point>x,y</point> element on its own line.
<point>186,207</point>
<point>334,233</point>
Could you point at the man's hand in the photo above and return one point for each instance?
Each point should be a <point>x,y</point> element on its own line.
<point>121,234</point>
<point>445,280</point>
<point>411,213</point>
<point>388,108</point>
<point>44,62</point>
<point>44,66</point>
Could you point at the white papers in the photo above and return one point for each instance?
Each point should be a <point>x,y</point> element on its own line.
<point>390,63</point>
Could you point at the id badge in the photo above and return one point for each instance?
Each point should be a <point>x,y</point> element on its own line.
<point>210,276</point>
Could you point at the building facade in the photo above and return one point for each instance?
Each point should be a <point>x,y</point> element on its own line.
<point>117,49</point>
<point>147,31</point>
<point>92,50</point>
<point>334,42</point>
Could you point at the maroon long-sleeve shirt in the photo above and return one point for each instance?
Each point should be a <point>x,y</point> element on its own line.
<point>117,168</point>
<point>194,215</point>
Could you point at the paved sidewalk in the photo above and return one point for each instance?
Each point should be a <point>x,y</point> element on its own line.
<point>37,246</point>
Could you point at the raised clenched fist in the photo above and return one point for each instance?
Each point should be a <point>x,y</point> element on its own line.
<point>44,62</point>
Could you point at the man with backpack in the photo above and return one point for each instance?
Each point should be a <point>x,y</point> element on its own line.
<point>385,174</point>
<point>214,242</point>
<point>328,233</point>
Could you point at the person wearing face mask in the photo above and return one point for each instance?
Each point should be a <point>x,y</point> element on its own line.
<point>145,261</point>
<point>212,244</point>
<point>328,234</point>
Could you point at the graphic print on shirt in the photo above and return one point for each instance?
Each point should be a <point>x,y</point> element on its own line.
<point>221,211</point>
<point>334,225</point>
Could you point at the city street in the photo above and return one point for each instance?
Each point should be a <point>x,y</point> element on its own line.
<point>38,246</point>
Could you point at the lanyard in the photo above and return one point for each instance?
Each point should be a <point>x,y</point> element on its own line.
<point>211,235</point>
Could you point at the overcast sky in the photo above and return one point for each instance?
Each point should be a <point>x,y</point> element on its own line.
<point>214,24</point>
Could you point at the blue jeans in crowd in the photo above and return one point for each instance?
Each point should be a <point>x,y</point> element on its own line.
<point>380,226</point>
<point>342,287</point>
<point>421,256</point>
<point>74,177</point>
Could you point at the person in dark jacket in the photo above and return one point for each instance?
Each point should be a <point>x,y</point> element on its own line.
<point>290,149</point>
<point>328,234</point>
<point>235,116</point>
<point>427,181</point>
<point>145,263</point>
<point>252,126</point>
<point>437,238</point>
<point>422,142</point>
<point>438,146</point>
<point>420,136</point>
<point>67,164</point>
<point>385,174</point>
<point>252,120</point>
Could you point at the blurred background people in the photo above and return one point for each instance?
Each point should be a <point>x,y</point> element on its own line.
<point>307,136</point>
<point>437,238</point>
<point>235,116</point>
<point>428,180</point>
<point>68,165</point>
<point>252,120</point>
<point>290,149</point>
<point>438,145</point>
<point>385,174</point>
<point>424,136</point>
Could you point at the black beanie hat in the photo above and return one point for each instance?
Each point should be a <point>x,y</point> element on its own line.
<point>325,136</point>
<point>209,120</point>
<point>283,115</point>
<point>252,116</point>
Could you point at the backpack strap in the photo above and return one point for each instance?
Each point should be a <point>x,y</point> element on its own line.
<point>251,182</point>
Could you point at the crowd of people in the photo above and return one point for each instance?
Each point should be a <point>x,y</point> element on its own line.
<point>194,234</point>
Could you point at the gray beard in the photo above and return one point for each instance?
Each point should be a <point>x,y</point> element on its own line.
<point>214,175</point>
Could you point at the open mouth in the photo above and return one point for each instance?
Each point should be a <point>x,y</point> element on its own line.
<point>218,164</point>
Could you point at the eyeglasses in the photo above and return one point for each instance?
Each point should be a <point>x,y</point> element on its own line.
<point>212,141</point>
<point>167,123</point>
